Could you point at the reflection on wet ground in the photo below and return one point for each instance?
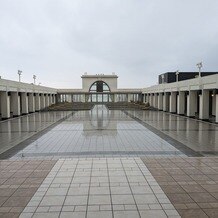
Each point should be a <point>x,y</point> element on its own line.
<point>197,135</point>
<point>99,132</point>
<point>16,130</point>
<point>102,132</point>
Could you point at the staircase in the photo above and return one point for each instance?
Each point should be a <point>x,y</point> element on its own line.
<point>70,106</point>
<point>127,106</point>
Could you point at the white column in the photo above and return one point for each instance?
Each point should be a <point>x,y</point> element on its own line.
<point>31,102</point>
<point>54,98</point>
<point>214,104</point>
<point>5,105</point>
<point>173,102</point>
<point>151,100</point>
<point>15,104</point>
<point>192,103</point>
<point>155,100</point>
<point>216,108</point>
<point>58,98</point>
<point>181,103</point>
<point>46,100</point>
<point>129,97</point>
<point>204,105</point>
<point>24,103</point>
<point>50,99</point>
<point>146,97</point>
<point>165,101</point>
<point>160,101</point>
<point>37,102</point>
<point>42,101</point>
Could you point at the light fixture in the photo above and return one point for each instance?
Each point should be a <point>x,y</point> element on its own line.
<point>177,76</point>
<point>34,79</point>
<point>19,74</point>
<point>199,65</point>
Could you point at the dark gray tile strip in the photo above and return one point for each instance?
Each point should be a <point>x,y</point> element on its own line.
<point>93,153</point>
<point>176,144</point>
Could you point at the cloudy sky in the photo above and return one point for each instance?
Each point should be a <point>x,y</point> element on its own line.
<point>59,40</point>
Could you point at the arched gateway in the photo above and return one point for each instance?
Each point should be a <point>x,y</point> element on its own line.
<point>99,88</point>
<point>99,92</point>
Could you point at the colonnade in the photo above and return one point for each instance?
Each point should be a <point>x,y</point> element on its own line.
<point>202,104</point>
<point>98,97</point>
<point>14,103</point>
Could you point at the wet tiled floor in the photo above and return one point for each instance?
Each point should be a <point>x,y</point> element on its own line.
<point>14,131</point>
<point>197,135</point>
<point>108,164</point>
<point>99,132</point>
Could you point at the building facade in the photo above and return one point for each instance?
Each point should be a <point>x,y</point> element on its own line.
<point>99,88</point>
<point>196,97</point>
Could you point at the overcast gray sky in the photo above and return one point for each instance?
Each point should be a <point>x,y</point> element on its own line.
<point>59,40</point>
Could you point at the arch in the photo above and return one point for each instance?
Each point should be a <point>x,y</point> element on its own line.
<point>99,86</point>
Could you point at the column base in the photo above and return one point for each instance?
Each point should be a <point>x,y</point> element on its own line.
<point>204,119</point>
<point>5,118</point>
<point>16,115</point>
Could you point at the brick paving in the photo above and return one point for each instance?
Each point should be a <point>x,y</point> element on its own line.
<point>191,184</point>
<point>19,180</point>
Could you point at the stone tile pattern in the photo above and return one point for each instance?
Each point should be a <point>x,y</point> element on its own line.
<point>197,135</point>
<point>191,184</point>
<point>19,180</point>
<point>99,133</point>
<point>99,187</point>
<point>16,130</point>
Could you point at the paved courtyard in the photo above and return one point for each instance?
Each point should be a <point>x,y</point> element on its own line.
<point>103,163</point>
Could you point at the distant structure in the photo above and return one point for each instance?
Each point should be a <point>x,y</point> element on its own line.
<point>184,93</point>
<point>99,88</point>
<point>170,77</point>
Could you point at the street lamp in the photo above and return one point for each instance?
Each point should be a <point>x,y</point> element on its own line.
<point>199,66</point>
<point>19,73</point>
<point>34,79</point>
<point>177,76</point>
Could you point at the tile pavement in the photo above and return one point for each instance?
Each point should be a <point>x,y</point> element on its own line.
<point>110,187</point>
<point>191,184</point>
<point>19,180</point>
<point>99,187</point>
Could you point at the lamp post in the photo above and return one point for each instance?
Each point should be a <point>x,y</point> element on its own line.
<point>177,76</point>
<point>19,74</point>
<point>34,79</point>
<point>199,66</point>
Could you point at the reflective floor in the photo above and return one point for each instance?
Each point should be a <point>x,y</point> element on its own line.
<point>99,132</point>
<point>104,133</point>
<point>197,135</point>
<point>163,183</point>
<point>14,131</point>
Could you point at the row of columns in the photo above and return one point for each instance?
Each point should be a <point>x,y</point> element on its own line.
<point>122,97</point>
<point>20,103</point>
<point>203,102</point>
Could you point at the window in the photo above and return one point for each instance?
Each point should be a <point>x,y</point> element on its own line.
<point>99,86</point>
